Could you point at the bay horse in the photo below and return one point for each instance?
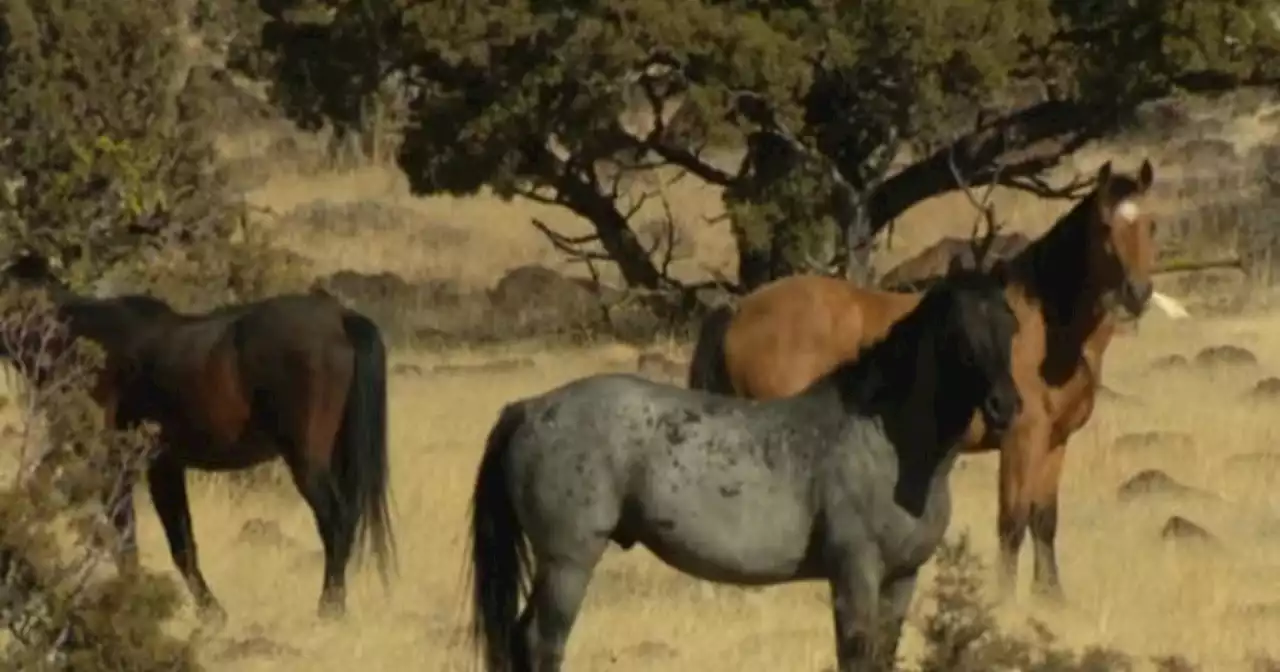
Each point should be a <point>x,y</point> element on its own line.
<point>848,482</point>
<point>293,376</point>
<point>1063,287</point>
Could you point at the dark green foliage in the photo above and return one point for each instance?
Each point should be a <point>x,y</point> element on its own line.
<point>531,97</point>
<point>101,151</point>
<point>63,603</point>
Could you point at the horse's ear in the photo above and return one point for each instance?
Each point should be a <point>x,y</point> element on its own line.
<point>1104,176</point>
<point>1146,175</point>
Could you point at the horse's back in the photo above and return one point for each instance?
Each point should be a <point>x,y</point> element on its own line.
<point>797,329</point>
<point>294,318</point>
<point>719,487</point>
<point>933,262</point>
<point>267,346</point>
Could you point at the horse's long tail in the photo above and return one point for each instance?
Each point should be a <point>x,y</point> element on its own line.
<point>361,453</point>
<point>500,562</point>
<point>707,368</point>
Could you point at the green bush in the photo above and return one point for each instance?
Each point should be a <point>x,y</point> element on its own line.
<point>71,598</point>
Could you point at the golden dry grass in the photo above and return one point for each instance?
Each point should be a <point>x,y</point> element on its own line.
<point>1126,587</point>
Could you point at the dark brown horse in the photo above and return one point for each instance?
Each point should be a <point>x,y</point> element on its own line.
<point>950,254</point>
<point>1063,288</point>
<point>295,376</point>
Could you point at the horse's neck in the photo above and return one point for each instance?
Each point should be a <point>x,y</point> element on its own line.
<point>927,430</point>
<point>924,423</point>
<point>1053,276</point>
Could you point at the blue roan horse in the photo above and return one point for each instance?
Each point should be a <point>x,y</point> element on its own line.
<point>847,482</point>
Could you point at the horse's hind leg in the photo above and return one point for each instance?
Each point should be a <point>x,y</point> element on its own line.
<point>895,601</point>
<point>309,451</point>
<point>167,482</point>
<point>335,535</point>
<point>855,599</point>
<point>559,587</point>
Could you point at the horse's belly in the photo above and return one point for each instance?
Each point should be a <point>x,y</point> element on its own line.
<point>215,452</point>
<point>727,537</point>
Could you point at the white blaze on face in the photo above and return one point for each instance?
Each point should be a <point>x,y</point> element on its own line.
<point>1128,211</point>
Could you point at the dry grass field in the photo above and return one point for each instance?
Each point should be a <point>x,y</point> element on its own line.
<point>1127,586</point>
<point>1216,602</point>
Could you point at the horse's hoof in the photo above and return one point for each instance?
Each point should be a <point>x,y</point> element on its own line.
<point>213,615</point>
<point>1006,591</point>
<point>332,611</point>
<point>1050,596</point>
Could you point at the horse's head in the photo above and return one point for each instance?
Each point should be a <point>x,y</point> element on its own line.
<point>1122,249</point>
<point>27,277</point>
<point>30,271</point>
<point>983,326</point>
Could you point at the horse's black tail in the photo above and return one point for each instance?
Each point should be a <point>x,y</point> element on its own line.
<point>361,453</point>
<point>500,563</point>
<point>707,368</point>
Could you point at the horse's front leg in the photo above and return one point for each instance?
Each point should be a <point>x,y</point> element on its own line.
<point>1046,584</point>
<point>167,481</point>
<point>1022,453</point>
<point>118,501</point>
<point>855,601</point>
<point>895,601</point>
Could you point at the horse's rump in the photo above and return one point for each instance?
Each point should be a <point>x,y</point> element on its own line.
<point>797,329</point>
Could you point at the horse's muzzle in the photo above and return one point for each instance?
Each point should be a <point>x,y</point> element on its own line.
<point>1000,409</point>
<point>1135,296</point>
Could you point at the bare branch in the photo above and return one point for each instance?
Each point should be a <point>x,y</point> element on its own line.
<point>669,229</point>
<point>981,244</point>
<point>712,221</point>
<point>532,195</point>
<point>571,245</point>
<point>1035,184</point>
<point>831,267</point>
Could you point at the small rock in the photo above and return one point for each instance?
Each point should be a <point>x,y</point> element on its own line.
<point>1150,482</point>
<point>1174,663</point>
<point>1265,390</point>
<point>1107,394</point>
<point>658,366</point>
<point>403,369</point>
<point>491,366</point>
<point>1173,362</point>
<point>1178,528</point>
<point>254,647</point>
<point>1225,355</point>
<point>1256,463</point>
<point>259,532</point>
<point>651,650</point>
<point>1153,439</point>
<point>1256,610</point>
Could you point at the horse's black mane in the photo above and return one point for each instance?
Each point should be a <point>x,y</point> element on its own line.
<point>887,368</point>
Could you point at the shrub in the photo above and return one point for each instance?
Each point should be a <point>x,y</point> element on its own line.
<point>962,635</point>
<point>63,602</point>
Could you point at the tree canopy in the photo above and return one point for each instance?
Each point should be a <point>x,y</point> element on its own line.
<point>533,98</point>
<point>102,150</point>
